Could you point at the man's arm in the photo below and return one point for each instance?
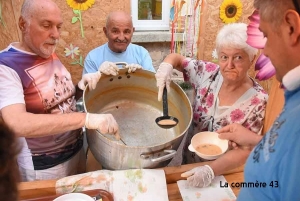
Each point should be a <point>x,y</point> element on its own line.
<point>26,124</point>
<point>202,176</point>
<point>230,160</point>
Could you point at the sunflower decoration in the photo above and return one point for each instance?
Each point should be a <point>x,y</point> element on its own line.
<point>230,11</point>
<point>80,4</point>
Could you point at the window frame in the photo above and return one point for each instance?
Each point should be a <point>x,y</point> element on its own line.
<point>151,25</point>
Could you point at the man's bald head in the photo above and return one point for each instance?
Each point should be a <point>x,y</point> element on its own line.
<point>32,7</point>
<point>118,16</point>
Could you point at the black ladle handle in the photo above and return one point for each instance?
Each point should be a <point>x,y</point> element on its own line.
<point>165,102</point>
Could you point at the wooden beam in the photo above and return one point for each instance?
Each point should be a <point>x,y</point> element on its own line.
<point>37,189</point>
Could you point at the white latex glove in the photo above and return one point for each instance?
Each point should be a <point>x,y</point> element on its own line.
<point>91,79</point>
<point>105,123</point>
<point>109,68</point>
<point>199,176</point>
<point>132,67</point>
<point>163,78</point>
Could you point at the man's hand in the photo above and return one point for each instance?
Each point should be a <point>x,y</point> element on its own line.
<point>199,176</point>
<point>132,67</point>
<point>239,135</point>
<point>109,68</point>
<point>91,79</point>
<point>105,123</point>
<point>163,78</point>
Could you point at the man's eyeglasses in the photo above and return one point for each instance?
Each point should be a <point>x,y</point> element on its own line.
<point>296,4</point>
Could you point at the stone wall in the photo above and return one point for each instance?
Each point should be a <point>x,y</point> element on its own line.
<point>158,51</point>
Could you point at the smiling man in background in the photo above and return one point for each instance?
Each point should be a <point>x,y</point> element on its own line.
<point>118,30</point>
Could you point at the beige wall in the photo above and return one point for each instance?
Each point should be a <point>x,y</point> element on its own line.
<point>9,32</point>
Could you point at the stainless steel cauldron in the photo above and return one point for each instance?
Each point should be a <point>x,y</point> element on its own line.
<point>132,99</point>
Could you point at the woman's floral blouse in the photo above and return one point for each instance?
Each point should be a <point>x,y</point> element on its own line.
<point>248,110</point>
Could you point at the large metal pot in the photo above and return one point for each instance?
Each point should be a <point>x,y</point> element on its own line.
<point>132,99</point>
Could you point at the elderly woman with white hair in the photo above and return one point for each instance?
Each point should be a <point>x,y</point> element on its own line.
<point>224,94</point>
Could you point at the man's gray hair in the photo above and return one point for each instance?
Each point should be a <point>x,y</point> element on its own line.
<point>27,9</point>
<point>234,35</point>
<point>110,15</point>
<point>107,21</point>
<point>272,11</point>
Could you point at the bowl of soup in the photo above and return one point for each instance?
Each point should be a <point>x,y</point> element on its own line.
<point>208,145</point>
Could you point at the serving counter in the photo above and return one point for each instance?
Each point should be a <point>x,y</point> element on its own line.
<point>38,189</point>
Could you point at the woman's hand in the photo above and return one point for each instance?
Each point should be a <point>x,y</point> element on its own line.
<point>163,78</point>
<point>201,176</point>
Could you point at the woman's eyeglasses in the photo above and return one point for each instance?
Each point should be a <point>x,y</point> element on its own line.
<point>296,4</point>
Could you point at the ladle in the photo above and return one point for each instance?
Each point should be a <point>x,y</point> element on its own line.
<point>166,121</point>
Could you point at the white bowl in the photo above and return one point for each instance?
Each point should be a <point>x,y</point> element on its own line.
<point>208,138</point>
<point>74,197</point>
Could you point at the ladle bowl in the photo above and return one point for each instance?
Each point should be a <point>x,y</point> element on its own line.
<point>166,121</point>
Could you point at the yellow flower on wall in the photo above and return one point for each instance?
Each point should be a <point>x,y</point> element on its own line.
<point>231,11</point>
<point>80,4</point>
